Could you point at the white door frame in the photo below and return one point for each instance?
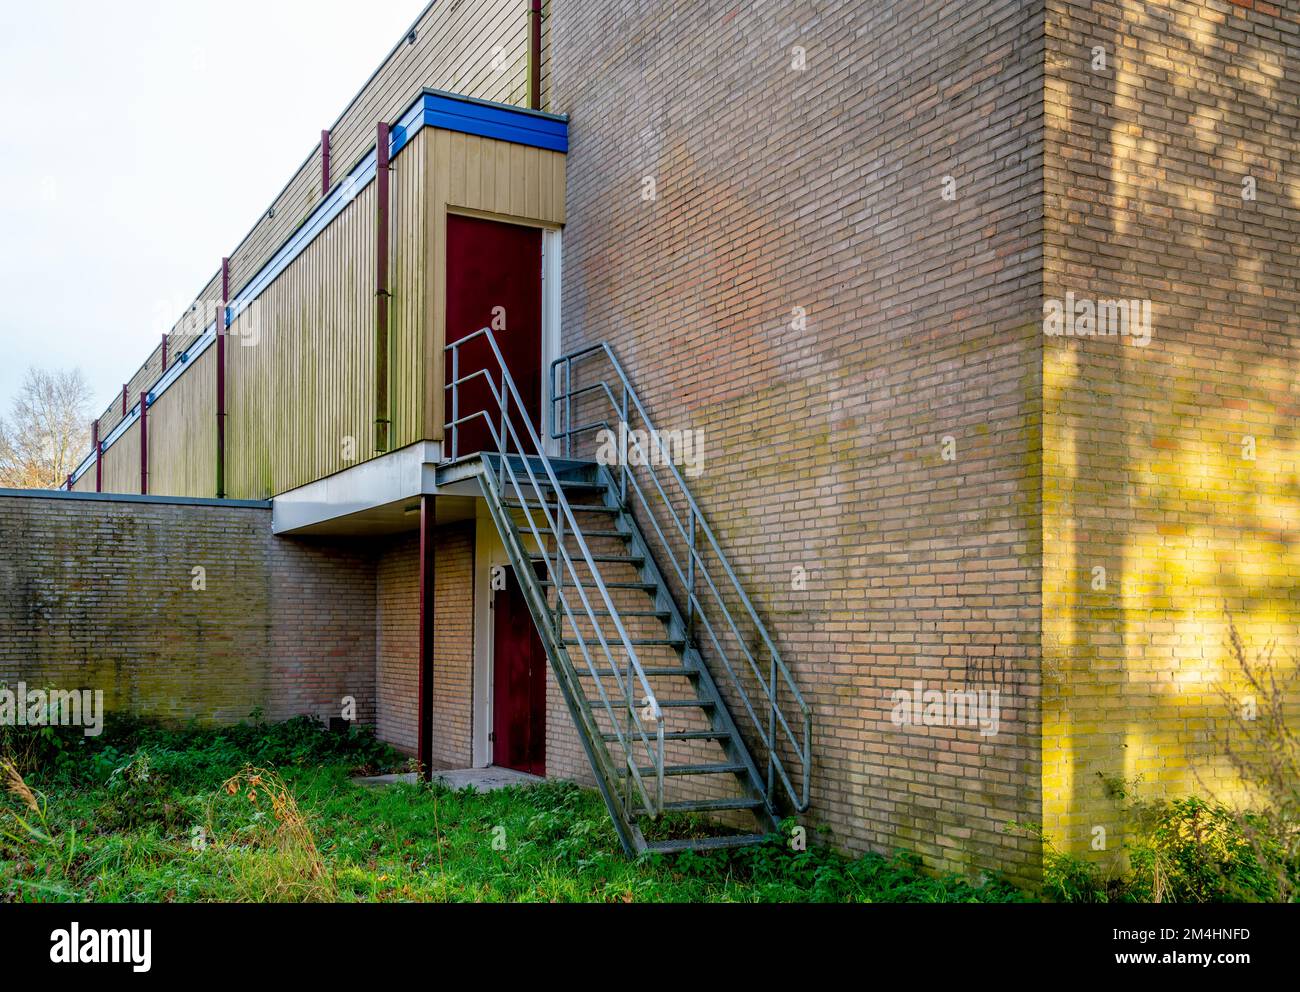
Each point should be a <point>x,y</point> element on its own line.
<point>488,552</point>
<point>488,548</point>
<point>552,252</point>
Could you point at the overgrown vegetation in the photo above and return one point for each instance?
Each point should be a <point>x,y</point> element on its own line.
<point>1191,849</point>
<point>1182,850</point>
<point>1262,743</point>
<point>268,813</point>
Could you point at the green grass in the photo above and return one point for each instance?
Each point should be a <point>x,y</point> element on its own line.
<point>146,814</point>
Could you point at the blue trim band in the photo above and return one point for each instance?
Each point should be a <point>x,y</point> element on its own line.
<point>495,121</point>
<point>432,108</point>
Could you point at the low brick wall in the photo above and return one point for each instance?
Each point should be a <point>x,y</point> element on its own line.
<point>182,609</point>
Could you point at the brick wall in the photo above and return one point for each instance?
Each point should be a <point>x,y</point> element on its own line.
<point>397,646</point>
<point>99,593</point>
<point>398,640</point>
<point>453,638</point>
<point>1147,472</point>
<point>820,188</point>
<point>104,593</point>
<point>322,628</point>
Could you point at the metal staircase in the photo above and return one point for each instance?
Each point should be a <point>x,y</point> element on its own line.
<point>651,638</point>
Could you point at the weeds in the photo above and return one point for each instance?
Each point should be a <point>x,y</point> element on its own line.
<point>1263,745</point>
<point>271,850</point>
<point>34,831</point>
<point>182,815</point>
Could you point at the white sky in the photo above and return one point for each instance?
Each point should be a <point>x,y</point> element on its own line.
<point>139,142</point>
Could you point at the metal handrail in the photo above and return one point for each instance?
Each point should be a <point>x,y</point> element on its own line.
<point>504,433</point>
<point>696,533</point>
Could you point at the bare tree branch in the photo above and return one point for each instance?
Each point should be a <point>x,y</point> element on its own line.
<point>45,430</point>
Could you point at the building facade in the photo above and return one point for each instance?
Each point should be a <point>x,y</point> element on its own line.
<point>844,256</point>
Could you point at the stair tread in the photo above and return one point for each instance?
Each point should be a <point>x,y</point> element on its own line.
<point>539,556</point>
<point>683,735</point>
<point>555,507</point>
<point>650,670</point>
<point>714,768</point>
<point>705,805</point>
<point>705,843</point>
<point>543,483</point>
<point>636,641</point>
<point>647,586</point>
<point>683,703</point>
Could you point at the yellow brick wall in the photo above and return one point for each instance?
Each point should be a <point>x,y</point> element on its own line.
<point>1146,471</point>
<point>821,189</point>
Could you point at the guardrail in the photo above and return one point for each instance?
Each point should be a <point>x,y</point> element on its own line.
<point>705,600</point>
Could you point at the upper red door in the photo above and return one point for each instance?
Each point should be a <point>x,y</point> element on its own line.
<point>494,279</point>
<point>518,683</point>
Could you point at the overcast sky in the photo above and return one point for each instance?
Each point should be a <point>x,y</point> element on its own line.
<point>139,142</point>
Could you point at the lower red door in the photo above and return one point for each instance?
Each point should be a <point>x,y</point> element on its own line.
<point>519,683</point>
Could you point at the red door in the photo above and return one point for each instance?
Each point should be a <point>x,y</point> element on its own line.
<point>518,683</point>
<point>494,279</point>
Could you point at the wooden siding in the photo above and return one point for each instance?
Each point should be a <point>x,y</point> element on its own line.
<point>483,177</point>
<point>546,56</point>
<point>184,333</point>
<point>183,433</point>
<point>300,361</point>
<point>301,372</point>
<point>456,49</point>
<point>122,464</point>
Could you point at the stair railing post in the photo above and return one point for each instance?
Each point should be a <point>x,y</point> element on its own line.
<point>629,756</point>
<point>505,443</point>
<point>623,450</point>
<point>568,409</point>
<point>690,579</point>
<point>455,400</point>
<point>659,733</point>
<point>559,537</point>
<point>771,725</point>
<point>559,575</point>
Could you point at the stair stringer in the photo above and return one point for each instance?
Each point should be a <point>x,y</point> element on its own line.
<point>721,719</point>
<point>575,699</point>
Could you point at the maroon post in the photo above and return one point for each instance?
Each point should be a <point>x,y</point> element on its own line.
<point>222,327</point>
<point>381,291</point>
<point>164,353</point>
<point>69,483</point>
<point>144,444</point>
<point>535,59</point>
<point>324,163</point>
<point>99,467</point>
<point>124,399</point>
<point>424,708</point>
